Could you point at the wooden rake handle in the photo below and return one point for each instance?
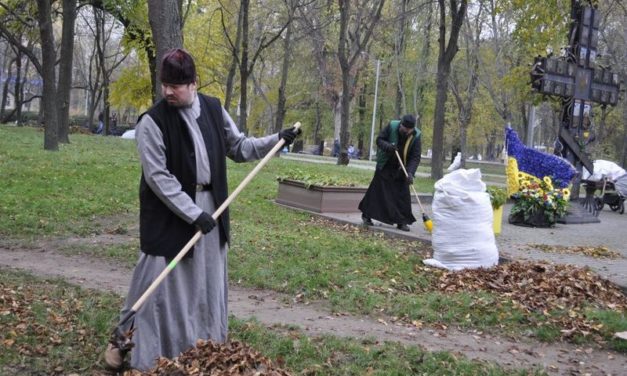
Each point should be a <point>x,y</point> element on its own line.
<point>407,175</point>
<point>215,216</point>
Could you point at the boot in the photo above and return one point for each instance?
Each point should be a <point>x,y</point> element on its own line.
<point>367,221</point>
<point>402,227</point>
<point>113,357</point>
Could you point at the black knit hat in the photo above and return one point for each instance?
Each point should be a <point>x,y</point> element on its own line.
<point>177,67</point>
<point>408,121</point>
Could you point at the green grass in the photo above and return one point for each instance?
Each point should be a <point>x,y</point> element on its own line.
<point>51,327</point>
<point>90,187</point>
<point>327,355</point>
<point>64,192</point>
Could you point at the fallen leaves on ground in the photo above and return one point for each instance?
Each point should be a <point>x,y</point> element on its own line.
<point>37,320</point>
<point>208,358</point>
<point>591,251</point>
<point>544,289</point>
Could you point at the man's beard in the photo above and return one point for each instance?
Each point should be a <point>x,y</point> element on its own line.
<point>177,103</point>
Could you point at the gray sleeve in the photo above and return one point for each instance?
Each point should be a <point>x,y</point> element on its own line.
<point>241,148</point>
<point>165,185</point>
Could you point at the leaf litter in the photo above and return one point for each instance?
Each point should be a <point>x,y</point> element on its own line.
<point>599,252</point>
<point>209,358</point>
<point>559,293</point>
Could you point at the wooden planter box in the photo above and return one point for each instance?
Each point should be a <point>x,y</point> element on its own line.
<point>320,199</point>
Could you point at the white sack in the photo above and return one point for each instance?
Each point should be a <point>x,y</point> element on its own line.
<point>129,135</point>
<point>603,168</point>
<point>462,223</point>
<point>457,161</point>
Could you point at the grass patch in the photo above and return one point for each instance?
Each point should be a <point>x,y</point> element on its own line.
<point>328,355</point>
<point>51,327</point>
<point>64,192</point>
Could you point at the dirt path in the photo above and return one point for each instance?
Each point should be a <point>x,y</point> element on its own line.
<point>269,307</point>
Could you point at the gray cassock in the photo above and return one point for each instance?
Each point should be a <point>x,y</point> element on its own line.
<point>191,302</point>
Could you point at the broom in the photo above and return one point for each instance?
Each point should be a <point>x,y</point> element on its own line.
<point>121,341</point>
<point>428,223</point>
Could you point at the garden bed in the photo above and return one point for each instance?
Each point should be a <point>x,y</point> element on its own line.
<point>319,199</point>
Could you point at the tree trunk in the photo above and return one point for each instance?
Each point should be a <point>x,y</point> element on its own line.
<point>342,52</point>
<point>623,154</point>
<point>349,51</point>
<point>399,57</point>
<point>5,97</point>
<point>445,57</point>
<point>422,75</point>
<point>287,51</point>
<point>51,140</point>
<point>64,86</point>
<point>165,23</point>
<point>5,87</point>
<point>101,44</point>
<point>233,66</point>
<point>438,121</point>
<point>17,89</point>
<point>362,120</point>
<point>318,124</point>
<point>243,69</point>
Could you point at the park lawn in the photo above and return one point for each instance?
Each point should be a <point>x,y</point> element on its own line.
<point>50,327</point>
<point>82,189</point>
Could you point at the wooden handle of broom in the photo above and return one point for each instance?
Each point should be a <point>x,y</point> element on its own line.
<point>215,216</point>
<point>407,175</point>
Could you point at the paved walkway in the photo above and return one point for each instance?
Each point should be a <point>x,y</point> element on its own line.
<point>517,243</point>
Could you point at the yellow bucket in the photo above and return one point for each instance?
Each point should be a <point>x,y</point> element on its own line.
<point>497,220</point>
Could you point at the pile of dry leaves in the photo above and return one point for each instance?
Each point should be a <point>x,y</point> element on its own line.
<point>544,289</point>
<point>209,358</point>
<point>601,252</point>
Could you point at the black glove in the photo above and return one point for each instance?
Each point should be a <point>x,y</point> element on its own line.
<point>289,135</point>
<point>389,148</point>
<point>410,180</point>
<point>205,222</point>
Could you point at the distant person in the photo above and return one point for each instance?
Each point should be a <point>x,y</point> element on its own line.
<point>183,141</point>
<point>351,151</point>
<point>336,148</point>
<point>100,127</point>
<point>388,199</point>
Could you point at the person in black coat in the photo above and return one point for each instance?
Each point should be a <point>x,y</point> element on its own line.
<point>388,199</point>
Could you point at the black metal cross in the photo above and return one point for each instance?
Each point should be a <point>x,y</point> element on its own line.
<point>577,80</point>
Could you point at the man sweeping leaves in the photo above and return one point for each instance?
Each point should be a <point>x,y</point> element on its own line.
<point>387,199</point>
<point>183,141</point>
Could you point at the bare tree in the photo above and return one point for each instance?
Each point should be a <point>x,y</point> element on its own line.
<point>464,90</point>
<point>447,52</point>
<point>49,104</point>
<point>287,51</point>
<point>400,46</point>
<point>247,59</point>
<point>66,58</point>
<point>353,39</point>
<point>235,48</point>
<point>422,76</point>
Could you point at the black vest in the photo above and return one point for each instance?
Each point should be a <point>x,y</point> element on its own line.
<point>161,232</point>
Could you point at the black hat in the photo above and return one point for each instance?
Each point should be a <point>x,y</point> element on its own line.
<point>408,121</point>
<point>177,67</point>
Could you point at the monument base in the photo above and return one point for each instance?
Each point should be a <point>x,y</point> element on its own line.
<point>578,213</point>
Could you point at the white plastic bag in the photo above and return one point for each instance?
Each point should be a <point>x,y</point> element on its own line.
<point>462,223</point>
<point>457,161</point>
<point>603,168</point>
